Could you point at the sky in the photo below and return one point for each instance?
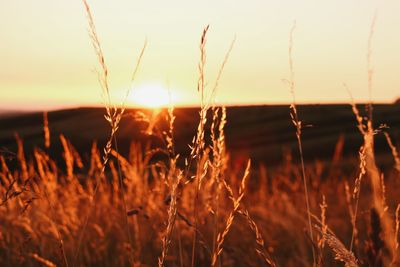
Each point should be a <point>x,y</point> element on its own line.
<point>47,60</point>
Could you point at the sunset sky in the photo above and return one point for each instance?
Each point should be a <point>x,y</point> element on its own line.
<point>47,61</point>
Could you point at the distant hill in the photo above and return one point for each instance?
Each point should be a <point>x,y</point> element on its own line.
<point>263,133</point>
<point>10,113</point>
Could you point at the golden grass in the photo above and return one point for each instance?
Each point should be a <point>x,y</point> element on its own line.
<point>236,203</point>
<point>46,130</point>
<point>298,124</point>
<point>341,253</point>
<point>142,210</point>
<point>160,214</point>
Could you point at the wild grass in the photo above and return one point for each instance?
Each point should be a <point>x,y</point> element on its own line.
<point>264,228</point>
<point>298,124</point>
<point>113,116</point>
<point>153,207</point>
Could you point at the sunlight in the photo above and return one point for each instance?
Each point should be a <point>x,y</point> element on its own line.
<point>151,96</point>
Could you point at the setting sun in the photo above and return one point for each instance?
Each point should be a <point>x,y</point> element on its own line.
<point>151,96</point>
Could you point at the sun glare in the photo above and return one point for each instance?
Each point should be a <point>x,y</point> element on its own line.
<point>151,96</point>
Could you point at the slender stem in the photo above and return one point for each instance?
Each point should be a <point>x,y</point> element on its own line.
<point>298,125</point>
<point>125,210</point>
<point>57,228</point>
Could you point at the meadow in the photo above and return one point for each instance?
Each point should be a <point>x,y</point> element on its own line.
<point>209,186</point>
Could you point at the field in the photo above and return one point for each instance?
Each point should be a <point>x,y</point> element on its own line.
<point>263,133</point>
<point>51,215</point>
<point>285,185</point>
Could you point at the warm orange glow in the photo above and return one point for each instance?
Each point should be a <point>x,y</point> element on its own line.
<point>151,96</point>
<point>50,66</point>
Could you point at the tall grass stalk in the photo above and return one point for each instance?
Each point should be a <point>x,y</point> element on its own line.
<point>324,228</point>
<point>39,156</point>
<point>173,180</point>
<point>260,249</point>
<point>372,169</point>
<point>219,167</point>
<point>362,168</point>
<point>211,99</point>
<point>46,130</point>
<point>368,132</point>
<point>217,146</point>
<point>236,204</point>
<point>113,116</point>
<point>395,154</point>
<point>218,164</point>
<point>57,227</point>
<point>356,195</point>
<point>199,143</point>
<point>397,227</point>
<point>297,123</point>
<point>370,70</point>
<point>198,148</point>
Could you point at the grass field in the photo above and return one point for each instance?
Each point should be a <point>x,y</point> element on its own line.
<point>295,185</point>
<point>46,199</point>
<point>263,133</point>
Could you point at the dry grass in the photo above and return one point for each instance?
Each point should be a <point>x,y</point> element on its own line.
<point>146,209</point>
<point>236,203</point>
<point>46,130</point>
<point>341,253</point>
<point>262,229</point>
<point>298,124</point>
